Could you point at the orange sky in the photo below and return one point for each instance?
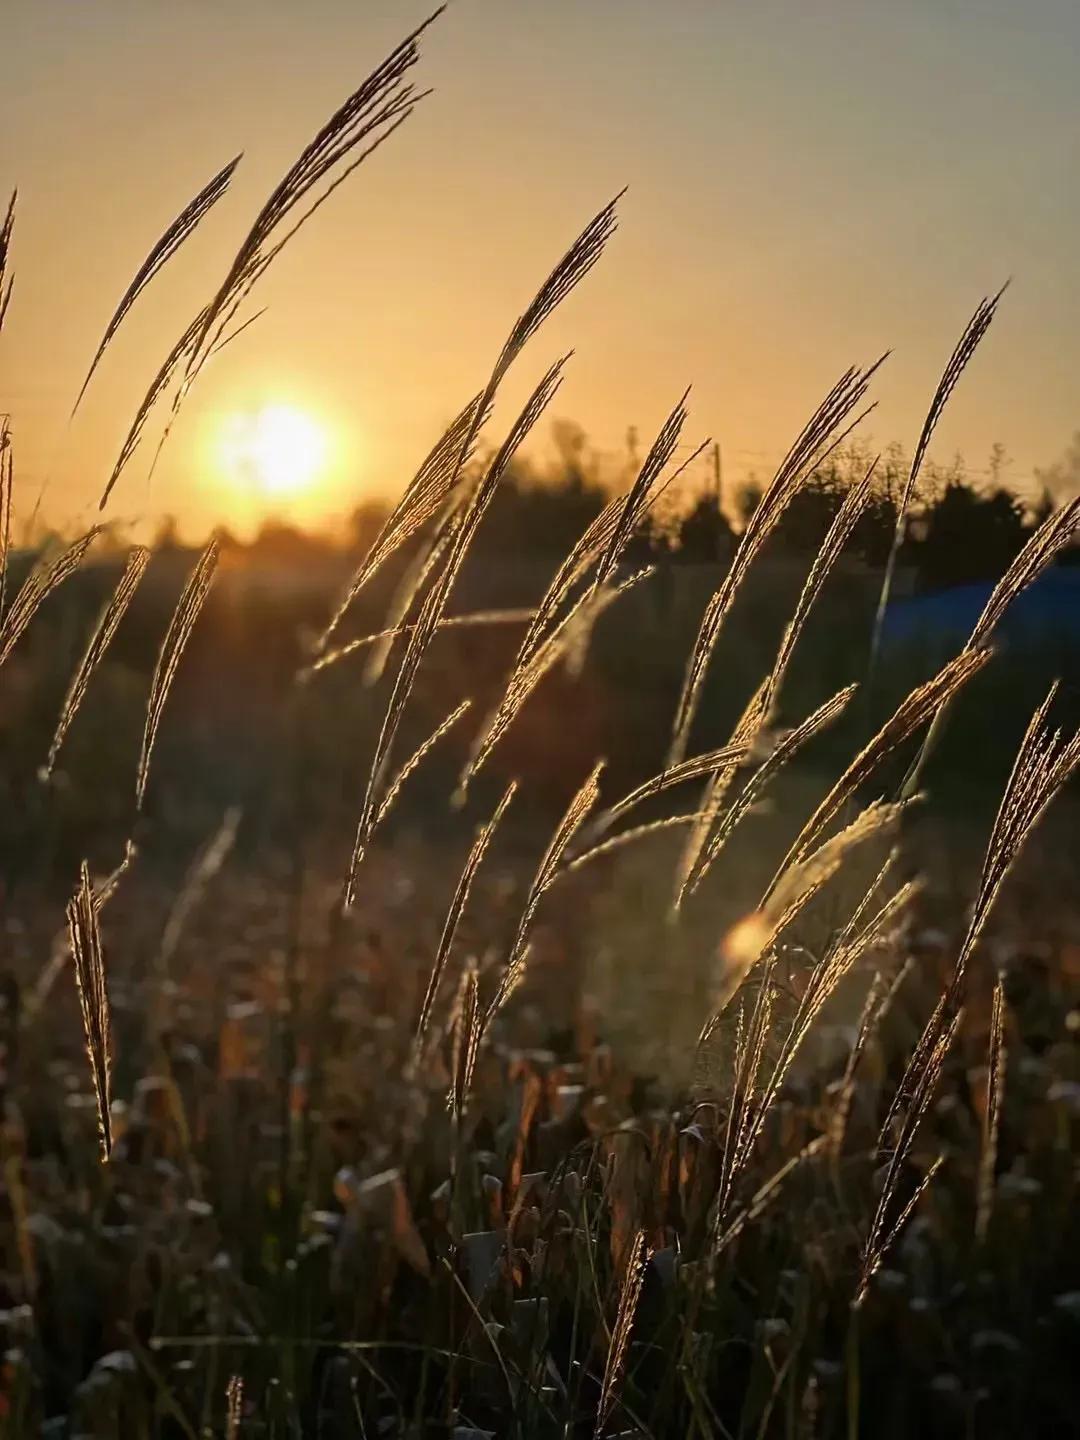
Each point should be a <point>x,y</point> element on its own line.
<point>809,184</point>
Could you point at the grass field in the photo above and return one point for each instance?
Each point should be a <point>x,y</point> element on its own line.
<point>377,1062</point>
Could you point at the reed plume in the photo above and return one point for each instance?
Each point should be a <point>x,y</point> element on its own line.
<point>551,630</point>
<point>746,732</point>
<point>640,495</point>
<point>909,1105</point>
<point>1044,765</point>
<point>1038,552</point>
<point>113,612</point>
<point>873,1256</point>
<point>788,746</point>
<point>754,934</point>
<point>467,1023</point>
<point>393,789</point>
<point>7,279</point>
<point>356,129</point>
<point>60,950</point>
<point>181,229</point>
<point>916,709</point>
<point>234,1407</point>
<point>85,935</point>
<point>46,576</point>
<point>692,769</point>
<point>158,386</point>
<point>847,517</point>
<point>563,643</point>
<point>965,348</point>
<point>395,632</point>
<point>546,874</point>
<point>7,486</point>
<point>433,607</point>
<point>808,452</point>
<point>995,1094</point>
<point>425,495</point>
<point>172,648</point>
<point>575,264</point>
<point>633,1278</point>
<point>453,917</point>
<point>764,1195</point>
<point>836,964</point>
<point>627,837</point>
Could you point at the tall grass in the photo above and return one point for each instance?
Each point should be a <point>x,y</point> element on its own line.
<point>522,1235</point>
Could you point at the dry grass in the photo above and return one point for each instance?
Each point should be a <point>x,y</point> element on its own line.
<point>89,961</point>
<point>113,612</point>
<point>177,635</point>
<point>387,1268</point>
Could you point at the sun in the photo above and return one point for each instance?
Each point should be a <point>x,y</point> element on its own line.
<point>278,450</point>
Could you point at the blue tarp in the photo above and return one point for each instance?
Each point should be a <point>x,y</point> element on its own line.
<point>1047,611</point>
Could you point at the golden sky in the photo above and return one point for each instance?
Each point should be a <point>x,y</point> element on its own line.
<point>809,185</point>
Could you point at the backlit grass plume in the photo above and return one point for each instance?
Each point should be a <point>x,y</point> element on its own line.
<point>368,117</point>
<point>7,485</point>
<point>752,936</point>
<point>818,436</point>
<point>911,1102</point>
<point>432,609</point>
<point>633,1278</point>
<point>693,769</point>
<point>847,517</point>
<point>546,873</point>
<point>453,917</point>
<point>45,577</point>
<point>7,279</point>
<point>172,648</point>
<point>562,622</point>
<point>89,961</point>
<point>995,1095</point>
<point>1039,551</point>
<point>641,493</point>
<point>784,749</point>
<point>845,950</point>
<point>424,497</point>
<point>113,612</point>
<point>965,348</point>
<point>395,632</point>
<point>715,793</point>
<point>915,710</point>
<point>1043,767</point>
<point>394,788</point>
<point>162,252</point>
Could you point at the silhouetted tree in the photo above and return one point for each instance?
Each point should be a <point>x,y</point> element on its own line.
<point>704,534</point>
<point>969,536</point>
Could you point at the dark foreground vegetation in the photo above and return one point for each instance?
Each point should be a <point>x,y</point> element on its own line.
<point>377,1066</point>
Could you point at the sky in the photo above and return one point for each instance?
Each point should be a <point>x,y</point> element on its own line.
<point>808,185</point>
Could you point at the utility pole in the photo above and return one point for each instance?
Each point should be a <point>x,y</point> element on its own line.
<point>718,490</point>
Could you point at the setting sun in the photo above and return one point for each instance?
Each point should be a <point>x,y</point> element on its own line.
<point>277,450</point>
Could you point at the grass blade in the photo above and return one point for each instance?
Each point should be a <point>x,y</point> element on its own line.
<point>168,661</point>
<point>103,632</point>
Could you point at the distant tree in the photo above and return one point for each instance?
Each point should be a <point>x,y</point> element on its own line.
<point>1062,479</point>
<point>747,499</point>
<point>704,533</point>
<point>969,535</point>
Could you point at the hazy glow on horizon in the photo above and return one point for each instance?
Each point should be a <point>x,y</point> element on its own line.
<point>809,185</point>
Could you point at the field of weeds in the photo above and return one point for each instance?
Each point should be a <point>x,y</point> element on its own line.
<point>364,1082</point>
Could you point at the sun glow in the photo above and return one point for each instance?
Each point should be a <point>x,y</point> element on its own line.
<point>277,451</point>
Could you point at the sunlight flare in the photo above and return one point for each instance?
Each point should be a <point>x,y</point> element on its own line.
<point>277,450</point>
